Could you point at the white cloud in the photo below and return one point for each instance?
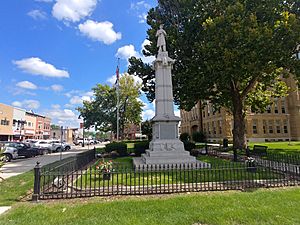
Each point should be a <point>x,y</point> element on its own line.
<point>112,80</point>
<point>78,100</point>
<point>148,114</point>
<point>126,52</point>
<point>73,10</point>
<point>143,18</point>
<point>57,87</point>
<point>177,112</point>
<point>26,85</point>
<point>27,104</point>
<point>17,104</point>
<point>64,117</point>
<point>36,66</point>
<point>37,14</point>
<point>55,106</point>
<point>140,9</point>
<point>100,31</point>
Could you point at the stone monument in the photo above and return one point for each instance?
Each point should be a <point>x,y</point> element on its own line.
<point>165,147</point>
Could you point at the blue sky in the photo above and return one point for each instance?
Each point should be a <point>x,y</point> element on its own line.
<point>52,52</point>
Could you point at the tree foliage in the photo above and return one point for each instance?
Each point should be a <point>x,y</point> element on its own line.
<point>147,129</point>
<point>232,53</point>
<point>101,112</point>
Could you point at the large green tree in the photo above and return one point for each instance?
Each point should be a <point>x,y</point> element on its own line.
<point>101,112</point>
<point>232,53</point>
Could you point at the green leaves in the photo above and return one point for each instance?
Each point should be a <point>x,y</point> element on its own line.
<point>101,112</point>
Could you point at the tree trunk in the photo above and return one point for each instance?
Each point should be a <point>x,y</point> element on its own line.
<point>239,138</point>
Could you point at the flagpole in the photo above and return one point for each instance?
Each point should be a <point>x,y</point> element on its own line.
<point>118,101</point>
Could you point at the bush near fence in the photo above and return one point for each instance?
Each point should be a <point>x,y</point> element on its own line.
<point>189,146</point>
<point>119,147</point>
<point>141,147</point>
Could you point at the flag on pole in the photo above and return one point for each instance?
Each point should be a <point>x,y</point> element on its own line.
<point>117,75</point>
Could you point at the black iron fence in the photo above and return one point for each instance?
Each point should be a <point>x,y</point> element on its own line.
<point>50,174</point>
<point>160,179</point>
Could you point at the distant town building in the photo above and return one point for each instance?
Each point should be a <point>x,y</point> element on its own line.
<point>280,122</point>
<point>19,124</point>
<point>68,135</point>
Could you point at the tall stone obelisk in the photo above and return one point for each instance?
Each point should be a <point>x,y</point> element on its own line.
<point>165,147</point>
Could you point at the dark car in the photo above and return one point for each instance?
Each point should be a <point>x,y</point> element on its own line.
<point>23,149</point>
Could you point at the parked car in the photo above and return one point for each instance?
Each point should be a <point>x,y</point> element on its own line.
<point>9,152</point>
<point>13,150</point>
<point>79,141</point>
<point>51,145</point>
<point>65,146</point>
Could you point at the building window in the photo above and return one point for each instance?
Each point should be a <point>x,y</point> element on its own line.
<point>264,126</point>
<point>214,127</point>
<point>220,127</point>
<point>276,106</point>
<point>208,130</point>
<point>268,109</point>
<point>278,130</point>
<point>283,105</point>
<point>254,126</point>
<point>285,126</point>
<point>5,122</point>
<point>270,127</point>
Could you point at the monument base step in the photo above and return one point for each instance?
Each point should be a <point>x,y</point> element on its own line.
<point>140,164</point>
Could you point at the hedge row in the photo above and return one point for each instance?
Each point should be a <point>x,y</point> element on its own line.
<point>121,148</point>
<point>139,147</point>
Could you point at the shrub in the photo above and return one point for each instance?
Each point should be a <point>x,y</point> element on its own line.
<point>188,146</point>
<point>184,137</point>
<point>119,147</point>
<point>141,147</point>
<point>198,136</point>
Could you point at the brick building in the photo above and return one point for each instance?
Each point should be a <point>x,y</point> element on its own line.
<point>280,122</point>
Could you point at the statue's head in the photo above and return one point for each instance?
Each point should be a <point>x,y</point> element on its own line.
<point>161,26</point>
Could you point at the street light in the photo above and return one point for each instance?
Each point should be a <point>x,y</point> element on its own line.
<point>21,127</point>
<point>61,141</point>
<point>79,117</point>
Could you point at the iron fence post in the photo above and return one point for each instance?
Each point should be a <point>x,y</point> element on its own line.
<point>37,179</point>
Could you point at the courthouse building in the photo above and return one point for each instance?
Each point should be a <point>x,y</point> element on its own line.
<point>280,122</point>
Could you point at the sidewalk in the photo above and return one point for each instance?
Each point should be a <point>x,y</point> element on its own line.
<point>22,165</point>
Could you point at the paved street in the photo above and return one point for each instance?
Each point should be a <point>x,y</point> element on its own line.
<point>22,165</point>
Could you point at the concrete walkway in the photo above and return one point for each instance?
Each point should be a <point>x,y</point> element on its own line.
<point>3,209</point>
<point>22,165</point>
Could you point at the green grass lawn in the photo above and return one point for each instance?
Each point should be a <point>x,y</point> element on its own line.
<point>221,170</point>
<point>280,147</point>
<point>15,188</point>
<point>257,207</point>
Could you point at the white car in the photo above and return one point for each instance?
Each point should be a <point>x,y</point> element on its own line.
<point>53,146</point>
<point>86,141</point>
<point>65,146</point>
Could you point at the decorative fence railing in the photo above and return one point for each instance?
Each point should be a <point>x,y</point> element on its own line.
<point>124,180</point>
<point>48,173</point>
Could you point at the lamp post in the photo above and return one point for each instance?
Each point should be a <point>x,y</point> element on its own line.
<point>79,117</point>
<point>61,141</point>
<point>21,127</point>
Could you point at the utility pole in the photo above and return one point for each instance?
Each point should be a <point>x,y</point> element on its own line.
<point>61,141</point>
<point>118,99</point>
